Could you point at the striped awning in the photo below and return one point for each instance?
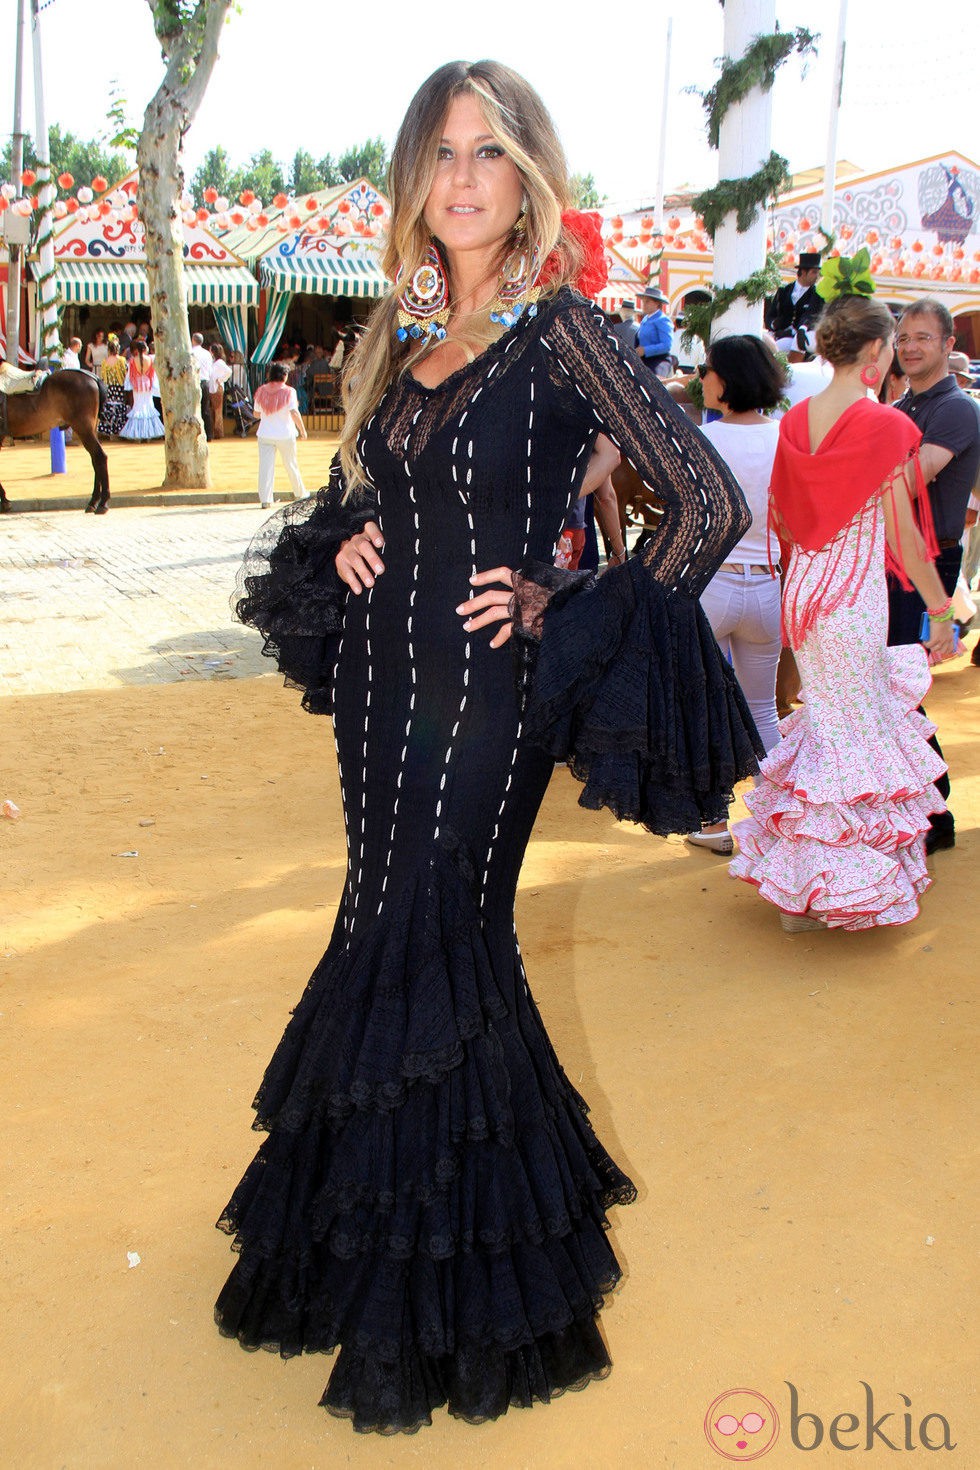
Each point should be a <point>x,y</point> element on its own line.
<point>124,283</point>
<point>321,276</point>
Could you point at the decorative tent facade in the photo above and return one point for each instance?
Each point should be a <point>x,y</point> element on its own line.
<point>100,257</point>
<point>328,244</point>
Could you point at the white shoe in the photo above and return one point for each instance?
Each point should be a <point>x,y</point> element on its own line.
<point>267,504</point>
<point>719,842</point>
<point>302,495</point>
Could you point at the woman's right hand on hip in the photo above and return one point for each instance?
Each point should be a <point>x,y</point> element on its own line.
<point>357,561</point>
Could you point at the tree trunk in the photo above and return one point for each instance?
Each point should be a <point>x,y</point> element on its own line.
<point>189,42</point>
<point>743,147</point>
<point>160,188</point>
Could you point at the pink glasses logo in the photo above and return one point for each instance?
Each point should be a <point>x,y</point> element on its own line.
<point>742,1425</point>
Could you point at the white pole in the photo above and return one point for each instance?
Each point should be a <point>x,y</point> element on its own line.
<point>830,167</point>
<point>50,345</point>
<point>658,210</point>
<point>16,169</point>
<point>743,147</point>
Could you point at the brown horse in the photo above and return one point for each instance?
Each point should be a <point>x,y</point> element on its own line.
<point>66,400</point>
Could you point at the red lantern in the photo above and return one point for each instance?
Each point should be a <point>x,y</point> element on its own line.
<point>294,222</point>
<point>262,219</point>
<point>72,206</point>
<point>203,215</point>
<point>28,177</point>
<point>311,204</point>
<point>616,222</point>
<point>937,250</point>
<point>67,181</point>
<point>4,203</point>
<point>646,222</point>
<point>632,243</point>
<point>280,200</point>
<point>974,276</point>
<point>210,194</point>
<point>323,223</point>
<point>674,223</point>
<point>804,224</point>
<point>917,246</point>
<point>896,242</point>
<point>246,197</point>
<point>958,253</point>
<point>680,244</point>
<point>237,218</point>
<point>99,184</point>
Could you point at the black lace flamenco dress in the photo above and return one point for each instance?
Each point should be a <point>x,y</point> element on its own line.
<point>430,1197</point>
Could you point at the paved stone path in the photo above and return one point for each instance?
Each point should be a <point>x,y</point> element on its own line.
<point>133,597</point>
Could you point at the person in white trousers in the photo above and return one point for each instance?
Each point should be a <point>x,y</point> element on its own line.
<point>277,407</point>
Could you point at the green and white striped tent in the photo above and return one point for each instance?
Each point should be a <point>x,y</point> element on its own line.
<point>124,283</point>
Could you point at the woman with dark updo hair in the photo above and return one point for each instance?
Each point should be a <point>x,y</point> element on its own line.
<point>839,817</point>
<point>431,1198</point>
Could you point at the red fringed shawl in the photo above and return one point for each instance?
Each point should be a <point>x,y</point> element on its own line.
<point>272,397</point>
<point>815,496</point>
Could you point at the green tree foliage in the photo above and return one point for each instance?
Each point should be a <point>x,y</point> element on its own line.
<point>304,173</point>
<point>216,169</point>
<point>585,194</point>
<point>367,160</point>
<point>84,160</point>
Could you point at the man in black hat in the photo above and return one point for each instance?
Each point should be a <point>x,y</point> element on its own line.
<point>797,304</point>
<point>656,331</point>
<point>626,328</point>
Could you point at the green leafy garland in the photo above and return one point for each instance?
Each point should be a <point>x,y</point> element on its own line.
<point>742,195</point>
<point>756,68</point>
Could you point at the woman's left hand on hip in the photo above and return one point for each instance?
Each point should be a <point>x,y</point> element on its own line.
<point>492,606</point>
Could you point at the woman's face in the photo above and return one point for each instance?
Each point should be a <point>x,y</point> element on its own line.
<point>99,338</point>
<point>477,192</point>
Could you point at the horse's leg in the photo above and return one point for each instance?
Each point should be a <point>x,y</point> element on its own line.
<point>100,464</point>
<point>4,502</point>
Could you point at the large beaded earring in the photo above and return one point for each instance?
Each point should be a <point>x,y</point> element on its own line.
<point>518,290</point>
<point>423,306</point>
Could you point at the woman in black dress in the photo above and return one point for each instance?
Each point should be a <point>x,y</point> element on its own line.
<point>431,1197</point>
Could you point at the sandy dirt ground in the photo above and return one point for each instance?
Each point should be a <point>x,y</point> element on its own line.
<point>136,470</point>
<point>796,1111</point>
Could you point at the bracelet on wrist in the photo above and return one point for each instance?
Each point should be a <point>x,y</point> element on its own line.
<point>941,615</point>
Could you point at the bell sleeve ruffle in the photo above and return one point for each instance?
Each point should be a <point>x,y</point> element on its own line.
<point>288,587</point>
<point>625,682</point>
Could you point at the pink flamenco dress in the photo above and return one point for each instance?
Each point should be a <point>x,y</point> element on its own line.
<point>838,818</point>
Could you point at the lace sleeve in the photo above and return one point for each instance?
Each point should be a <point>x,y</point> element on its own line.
<point>705,512</point>
<point>288,587</point>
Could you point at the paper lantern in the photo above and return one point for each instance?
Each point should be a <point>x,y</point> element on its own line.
<point>251,223</point>
<point>282,226</point>
<point>66,181</point>
<point>646,223</point>
<point>917,246</point>
<point>632,243</point>
<point>246,197</point>
<point>294,221</point>
<point>937,250</point>
<point>189,217</point>
<point>280,200</point>
<point>71,205</point>
<point>28,177</point>
<point>674,223</point>
<point>616,222</point>
<point>237,217</point>
<point>99,184</point>
<point>23,207</point>
<point>8,191</point>
<point>958,253</point>
<point>896,242</point>
<point>323,223</point>
<point>210,194</point>
<point>105,209</point>
<point>85,195</point>
<point>221,204</point>
<point>221,221</point>
<point>311,204</point>
<point>872,237</point>
<point>202,215</point>
<point>262,219</point>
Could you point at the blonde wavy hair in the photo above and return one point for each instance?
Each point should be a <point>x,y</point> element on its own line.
<point>517,119</point>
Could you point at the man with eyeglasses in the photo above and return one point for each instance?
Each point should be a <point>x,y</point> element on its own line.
<point>950,456</point>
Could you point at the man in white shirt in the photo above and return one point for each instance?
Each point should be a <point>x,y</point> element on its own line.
<point>204,363</point>
<point>70,358</point>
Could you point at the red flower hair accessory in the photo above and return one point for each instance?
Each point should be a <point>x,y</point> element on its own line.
<point>586,228</point>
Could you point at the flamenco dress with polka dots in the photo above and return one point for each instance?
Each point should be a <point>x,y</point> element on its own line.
<point>431,1198</point>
